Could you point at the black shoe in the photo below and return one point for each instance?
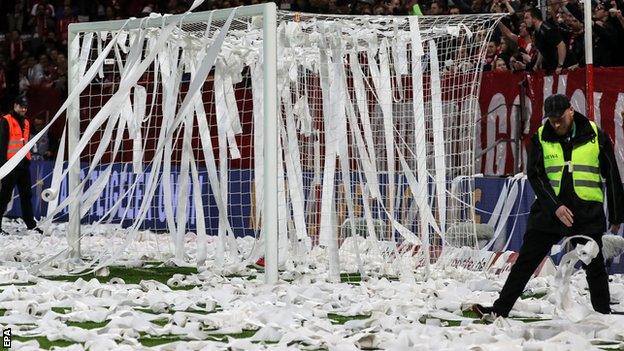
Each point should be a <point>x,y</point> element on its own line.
<point>36,229</point>
<point>486,313</point>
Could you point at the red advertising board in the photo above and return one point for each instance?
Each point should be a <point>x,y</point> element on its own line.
<point>499,98</point>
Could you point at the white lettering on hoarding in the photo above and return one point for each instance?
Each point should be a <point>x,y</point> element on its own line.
<point>496,123</point>
<point>619,133</point>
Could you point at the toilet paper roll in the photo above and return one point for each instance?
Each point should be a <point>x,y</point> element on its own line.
<point>175,281</point>
<point>102,293</point>
<point>180,319</point>
<point>116,280</point>
<point>160,307</point>
<point>49,194</point>
<point>612,245</point>
<point>27,307</point>
<point>102,272</point>
<point>147,285</point>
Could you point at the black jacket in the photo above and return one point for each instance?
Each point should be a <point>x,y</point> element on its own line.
<point>4,140</point>
<point>589,217</point>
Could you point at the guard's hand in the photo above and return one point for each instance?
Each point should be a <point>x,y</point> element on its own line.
<point>615,228</point>
<point>565,215</point>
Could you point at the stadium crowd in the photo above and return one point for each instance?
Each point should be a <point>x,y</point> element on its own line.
<point>33,36</point>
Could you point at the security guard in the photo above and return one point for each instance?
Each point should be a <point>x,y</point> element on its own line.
<point>14,133</point>
<point>570,157</point>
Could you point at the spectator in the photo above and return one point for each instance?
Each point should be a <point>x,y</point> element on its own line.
<point>570,38</point>
<point>342,7</point>
<point>491,53</point>
<point>66,10</point>
<point>41,150</point>
<point>66,19</point>
<point>61,79</point>
<point>15,46</point>
<point>463,6</point>
<point>500,65</point>
<point>574,33</point>
<point>35,73</point>
<point>507,49</point>
<point>15,20</point>
<point>479,6</point>
<point>604,39</point>
<point>42,21</point>
<point>54,56</point>
<point>38,28</point>
<point>573,8</point>
<point>111,14</point>
<point>42,6</point>
<point>396,8</point>
<point>97,11</point>
<point>363,8</point>
<point>36,45</point>
<point>317,6</point>
<point>617,19</point>
<point>24,82</point>
<point>3,79</point>
<point>463,63</point>
<point>437,8</point>
<point>51,42</point>
<point>147,9</point>
<point>116,5</point>
<point>302,5</point>
<point>413,8</point>
<point>552,12</point>
<point>521,62</point>
<point>525,55</point>
<point>379,10</point>
<point>548,41</point>
<point>501,6</point>
<point>173,6</point>
<point>523,38</point>
<point>135,7</point>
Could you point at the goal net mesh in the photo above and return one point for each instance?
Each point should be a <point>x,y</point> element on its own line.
<point>376,134</point>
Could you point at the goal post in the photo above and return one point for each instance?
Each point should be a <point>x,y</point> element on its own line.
<point>335,143</point>
<point>268,13</point>
<point>73,135</point>
<point>270,148</point>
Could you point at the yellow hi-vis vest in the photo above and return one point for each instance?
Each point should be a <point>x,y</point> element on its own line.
<point>584,166</point>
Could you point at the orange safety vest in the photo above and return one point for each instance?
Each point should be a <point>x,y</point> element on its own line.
<point>17,139</point>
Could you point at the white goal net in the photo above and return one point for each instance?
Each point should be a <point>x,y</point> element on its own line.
<point>365,167</point>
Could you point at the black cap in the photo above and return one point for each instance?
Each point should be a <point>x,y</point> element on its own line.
<point>21,100</point>
<point>555,105</point>
<point>605,4</point>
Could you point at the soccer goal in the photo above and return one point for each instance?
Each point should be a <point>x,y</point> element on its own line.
<point>339,144</point>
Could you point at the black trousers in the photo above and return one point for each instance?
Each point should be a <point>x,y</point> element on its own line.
<point>535,247</point>
<point>20,177</point>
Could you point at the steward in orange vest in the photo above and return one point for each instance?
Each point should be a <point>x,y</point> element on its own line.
<point>14,134</point>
